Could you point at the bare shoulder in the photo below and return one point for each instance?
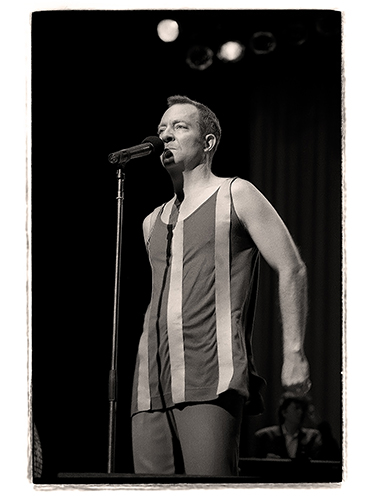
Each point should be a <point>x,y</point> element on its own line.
<point>146,226</point>
<point>246,196</point>
<point>265,226</point>
<point>240,185</point>
<point>149,222</point>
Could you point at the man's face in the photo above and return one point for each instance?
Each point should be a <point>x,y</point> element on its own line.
<point>179,129</point>
<point>293,413</point>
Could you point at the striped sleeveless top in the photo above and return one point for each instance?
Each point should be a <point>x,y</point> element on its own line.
<point>196,340</point>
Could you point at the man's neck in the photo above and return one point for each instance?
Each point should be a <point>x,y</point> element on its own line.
<point>187,183</point>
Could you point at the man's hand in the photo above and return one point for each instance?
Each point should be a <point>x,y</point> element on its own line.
<point>295,374</point>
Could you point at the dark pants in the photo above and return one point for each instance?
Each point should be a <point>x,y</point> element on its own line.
<point>194,438</point>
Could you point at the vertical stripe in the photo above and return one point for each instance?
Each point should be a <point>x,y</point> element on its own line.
<point>174,316</point>
<point>144,395</point>
<point>222,287</point>
<point>167,208</point>
<point>143,370</point>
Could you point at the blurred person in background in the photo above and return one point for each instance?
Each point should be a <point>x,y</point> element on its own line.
<point>289,439</point>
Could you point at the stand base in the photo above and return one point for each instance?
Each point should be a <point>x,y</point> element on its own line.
<point>253,471</point>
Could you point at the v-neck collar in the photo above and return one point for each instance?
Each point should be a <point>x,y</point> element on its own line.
<point>166,212</point>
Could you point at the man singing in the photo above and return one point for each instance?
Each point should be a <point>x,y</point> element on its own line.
<point>194,372</point>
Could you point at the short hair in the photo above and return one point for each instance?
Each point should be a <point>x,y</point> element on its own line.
<point>287,399</point>
<point>208,121</point>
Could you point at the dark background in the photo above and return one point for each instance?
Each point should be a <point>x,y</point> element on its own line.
<point>100,80</point>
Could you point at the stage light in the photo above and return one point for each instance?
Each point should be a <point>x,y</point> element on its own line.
<point>263,42</point>
<point>295,34</point>
<point>231,52</point>
<point>199,57</point>
<point>168,30</point>
<point>329,24</point>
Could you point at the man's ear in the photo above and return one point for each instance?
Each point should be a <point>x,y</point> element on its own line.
<point>210,141</point>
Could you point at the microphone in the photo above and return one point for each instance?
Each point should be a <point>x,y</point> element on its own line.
<point>151,144</point>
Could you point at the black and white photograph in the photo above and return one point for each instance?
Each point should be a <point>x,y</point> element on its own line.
<point>186,269</point>
<point>187,248</point>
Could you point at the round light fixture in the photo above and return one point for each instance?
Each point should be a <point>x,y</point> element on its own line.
<point>168,30</point>
<point>199,57</point>
<point>231,51</point>
<point>263,42</point>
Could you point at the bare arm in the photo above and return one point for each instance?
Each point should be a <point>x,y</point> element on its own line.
<point>278,249</point>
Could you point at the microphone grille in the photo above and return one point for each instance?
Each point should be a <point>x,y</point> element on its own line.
<point>156,142</point>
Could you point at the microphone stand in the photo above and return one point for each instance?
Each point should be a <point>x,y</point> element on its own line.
<point>148,146</point>
<point>112,383</point>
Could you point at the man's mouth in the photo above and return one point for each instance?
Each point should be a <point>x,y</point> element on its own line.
<point>167,153</point>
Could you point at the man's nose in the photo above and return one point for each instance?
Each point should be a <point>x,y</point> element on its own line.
<point>167,135</point>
